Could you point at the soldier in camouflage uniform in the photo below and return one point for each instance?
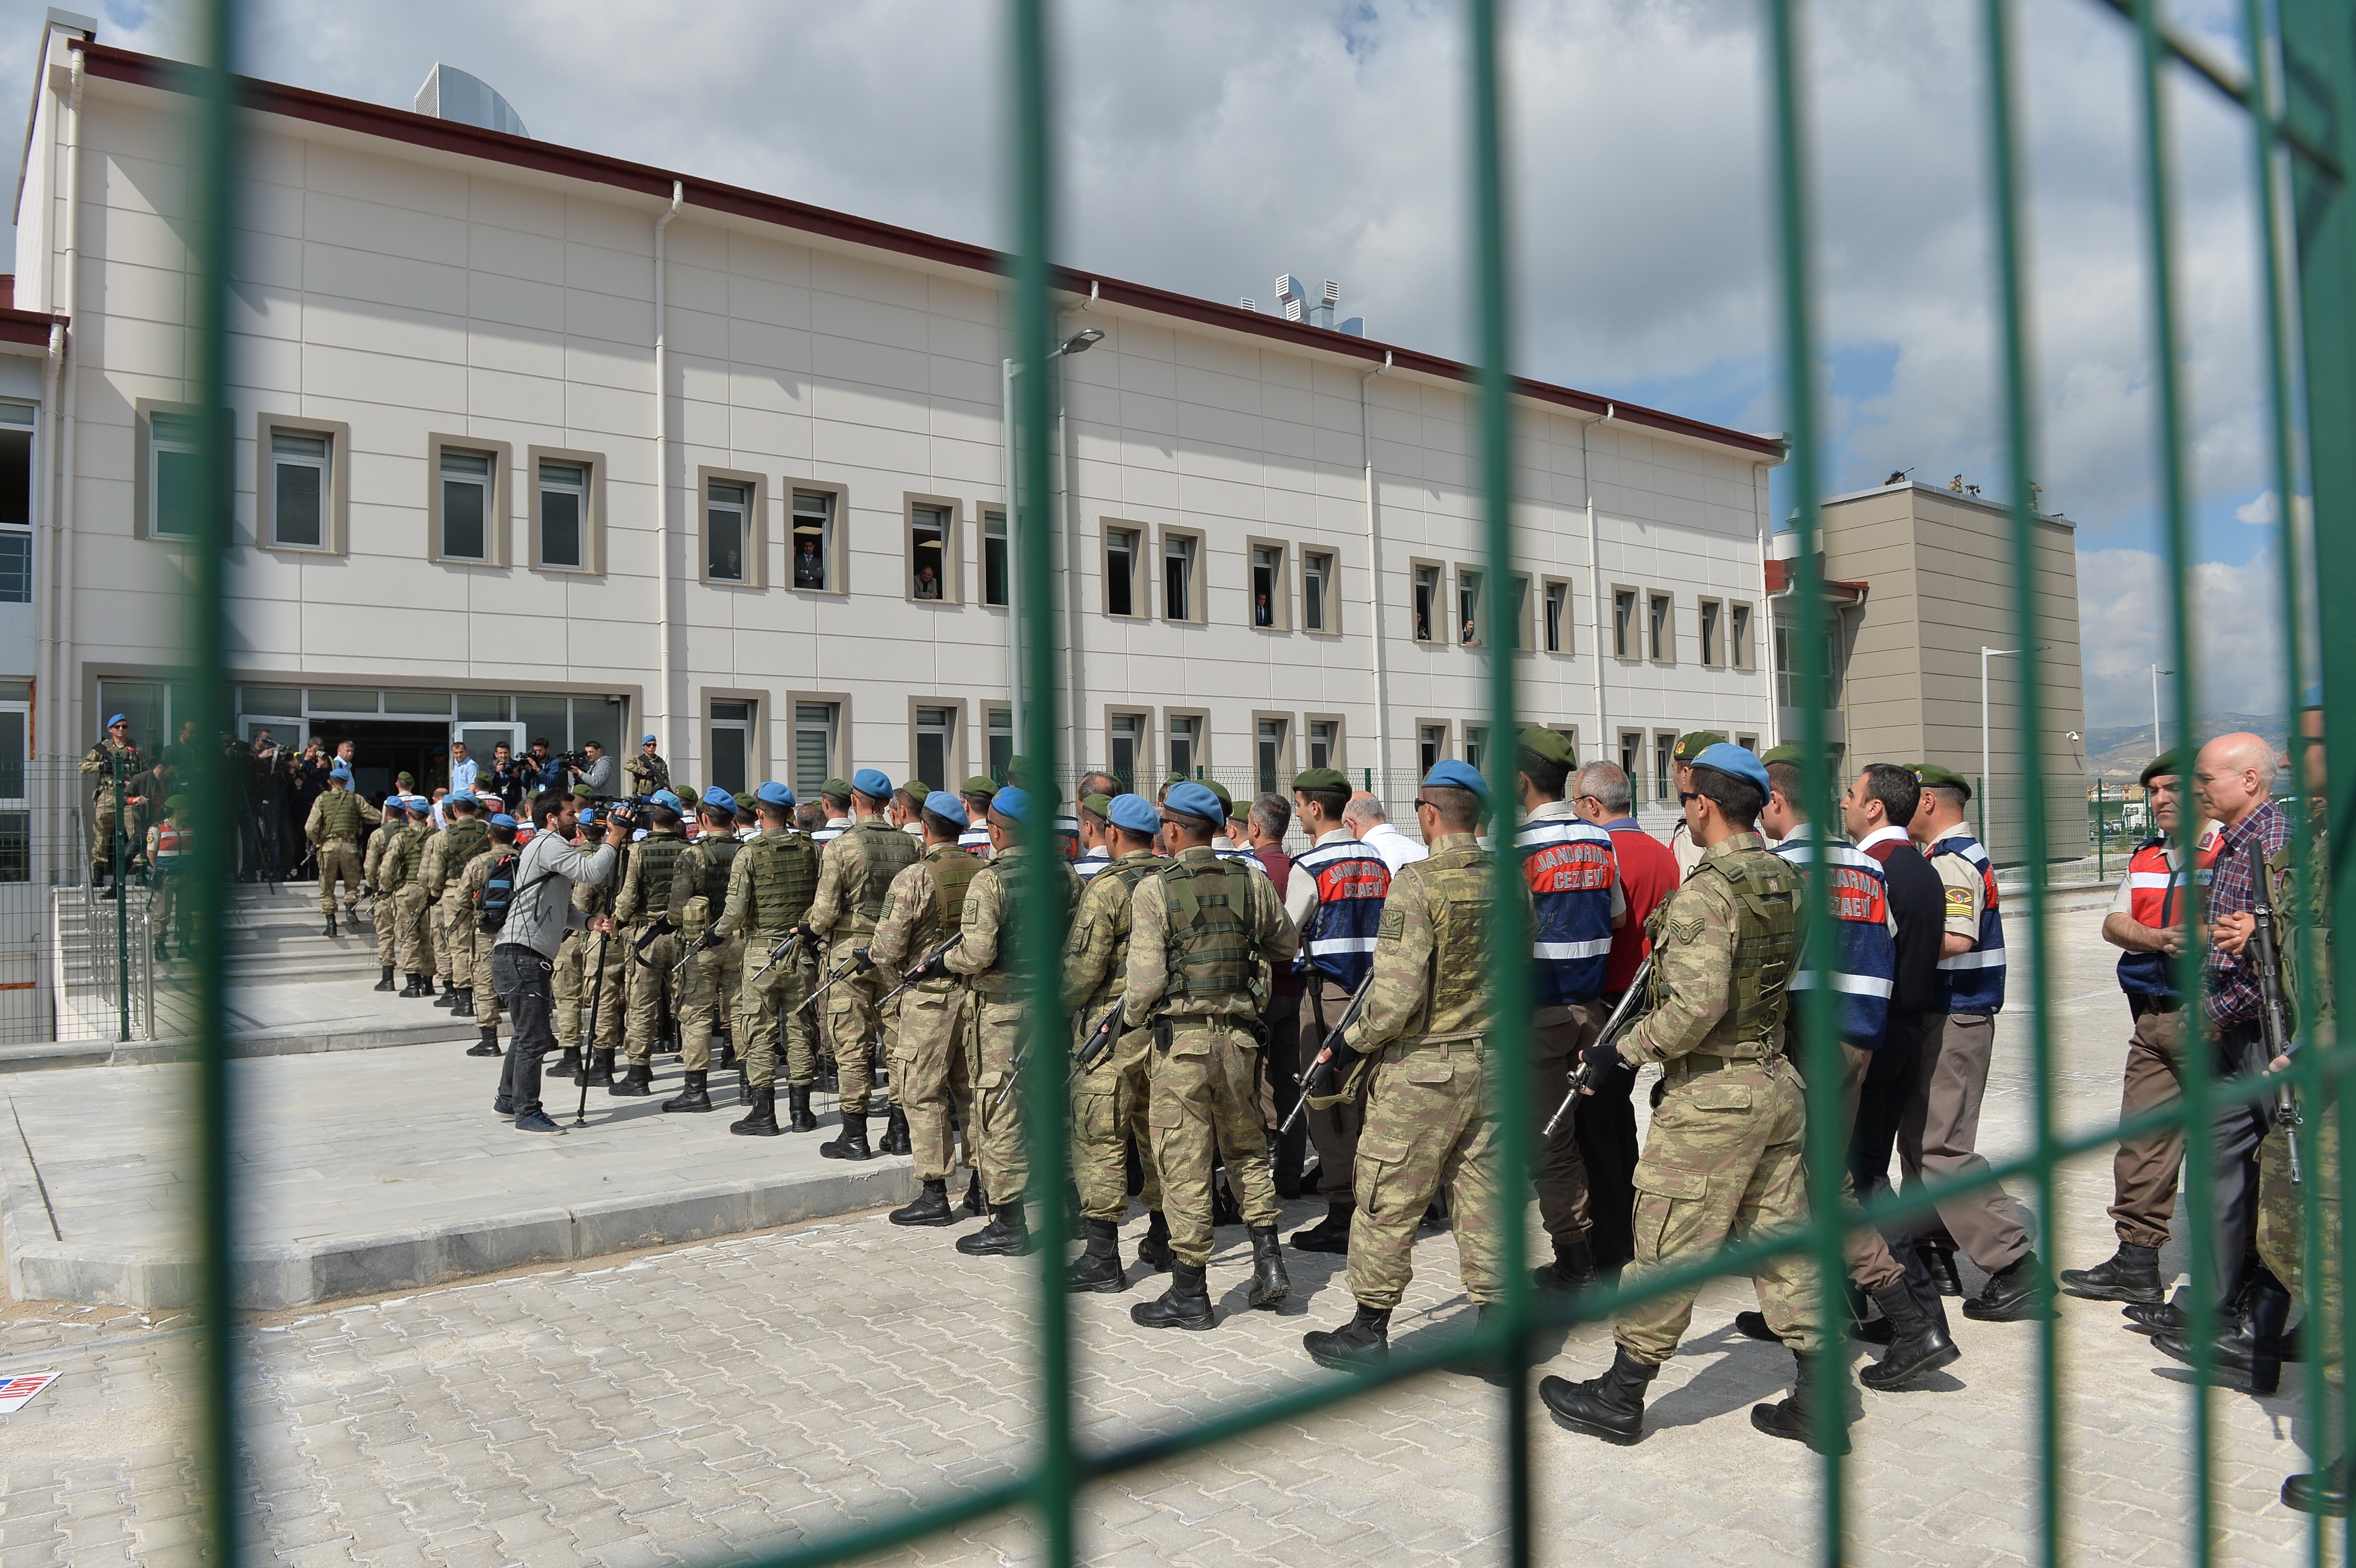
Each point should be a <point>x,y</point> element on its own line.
<point>1109,1103</point>
<point>588,979</point>
<point>381,908</point>
<point>770,884</point>
<point>398,874</point>
<point>648,774</point>
<point>1429,1122</point>
<point>925,908</point>
<point>98,766</point>
<point>854,872</point>
<point>446,855</point>
<point>472,880</point>
<point>698,892</point>
<point>1725,1157</point>
<point>1203,937</point>
<point>650,946</point>
<point>997,1014</point>
<point>339,820</point>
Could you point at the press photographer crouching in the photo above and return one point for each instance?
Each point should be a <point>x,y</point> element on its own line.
<point>523,957</point>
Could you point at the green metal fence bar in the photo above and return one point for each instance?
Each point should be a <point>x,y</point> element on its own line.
<point>2021,452</point>
<point>2245,92</point>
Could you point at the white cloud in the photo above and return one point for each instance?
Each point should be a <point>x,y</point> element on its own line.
<point>2259,512</point>
<point>2124,620</point>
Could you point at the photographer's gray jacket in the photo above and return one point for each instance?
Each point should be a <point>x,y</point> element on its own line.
<point>542,910</point>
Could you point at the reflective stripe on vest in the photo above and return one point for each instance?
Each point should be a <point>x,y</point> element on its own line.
<point>1864,959</point>
<point>1352,883</point>
<point>168,840</point>
<point>2152,889</point>
<point>1972,982</point>
<point>1571,871</point>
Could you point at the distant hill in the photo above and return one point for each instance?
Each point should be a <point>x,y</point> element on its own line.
<point>2119,752</point>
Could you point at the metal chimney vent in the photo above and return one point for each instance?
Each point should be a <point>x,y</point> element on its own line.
<point>450,93</point>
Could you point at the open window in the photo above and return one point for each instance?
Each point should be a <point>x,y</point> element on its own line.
<point>1660,624</point>
<point>1554,627</point>
<point>1470,613</point>
<point>814,545</point>
<point>1623,624</point>
<point>732,556</point>
<point>1738,637</point>
<point>1427,599</point>
<point>1124,562</point>
<point>1182,576</point>
<point>1712,619</point>
<point>1272,596</point>
<point>933,564</point>
<point>1320,579</point>
<point>997,564</point>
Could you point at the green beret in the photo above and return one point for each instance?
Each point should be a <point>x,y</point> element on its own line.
<point>2166,762</point>
<point>1551,744</point>
<point>1099,804</point>
<point>980,784</point>
<point>1322,778</point>
<point>1780,754</point>
<point>403,778</point>
<point>176,802</point>
<point>1931,774</point>
<point>839,788</point>
<point>582,792</point>
<point>1226,801</point>
<point>915,789</point>
<point>745,804</point>
<point>1695,744</point>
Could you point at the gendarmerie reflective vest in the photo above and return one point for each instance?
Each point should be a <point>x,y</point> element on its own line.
<point>2155,898</point>
<point>1972,982</point>
<point>1863,960</point>
<point>1352,883</point>
<point>1571,871</point>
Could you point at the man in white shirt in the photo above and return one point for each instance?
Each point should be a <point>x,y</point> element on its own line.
<point>835,795</point>
<point>977,792</point>
<point>1366,822</point>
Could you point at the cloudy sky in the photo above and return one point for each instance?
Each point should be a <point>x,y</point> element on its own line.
<point>1209,144</point>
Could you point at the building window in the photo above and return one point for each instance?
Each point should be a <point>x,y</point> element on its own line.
<point>1476,746</point>
<point>1521,613</point>
<point>936,742</point>
<point>1185,745</point>
<point>1316,593</point>
<point>1182,555</point>
<point>813,746</point>
<point>1664,765</point>
<point>1430,746</point>
<point>563,516</point>
<point>1427,600</point>
<point>727,518</point>
<point>298,489</point>
<point>1557,637</point>
<point>995,566</point>
<point>813,540</point>
<point>1624,622</point>
<point>466,505</point>
<point>1122,553</point>
<point>1631,755</point>
<point>1269,602</point>
<point>934,562</point>
<point>171,458</point>
<point>1125,733</point>
<point>1663,631</point>
<point>1709,629</point>
<point>1737,636</point>
<point>1748,743</point>
<point>16,814</point>
<point>1002,742</point>
<point>1569,732</point>
<point>732,745</point>
<point>1324,742</point>
<point>1269,753</point>
<point>16,566</point>
<point>1468,608</point>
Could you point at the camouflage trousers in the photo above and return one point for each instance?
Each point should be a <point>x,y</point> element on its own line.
<point>850,1024</point>
<point>479,974</point>
<point>1108,1108</point>
<point>570,986</point>
<point>1428,1127</point>
<point>1205,1103</point>
<point>338,858</point>
<point>411,918</point>
<point>930,1076</point>
<point>385,915</point>
<point>701,998</point>
<point>993,1037</point>
<point>781,987</point>
<point>1724,1160</point>
<point>1557,1038</point>
<point>454,922</point>
<point>2280,1225</point>
<point>646,987</point>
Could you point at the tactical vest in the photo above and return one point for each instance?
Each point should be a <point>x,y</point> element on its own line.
<point>403,858</point>
<point>1863,960</point>
<point>1766,944</point>
<point>2305,995</point>
<point>339,817</point>
<point>883,853</point>
<point>2156,899</point>
<point>1352,883</point>
<point>1571,870</point>
<point>784,878</point>
<point>1128,877</point>
<point>953,871</point>
<point>1213,955</point>
<point>657,856</point>
<point>1455,886</point>
<point>1972,982</point>
<point>718,852</point>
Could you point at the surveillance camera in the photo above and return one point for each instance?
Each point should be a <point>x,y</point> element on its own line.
<point>2074,735</point>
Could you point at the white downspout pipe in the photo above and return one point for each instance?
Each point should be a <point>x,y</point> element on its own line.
<point>66,678</point>
<point>1375,577</point>
<point>1606,750</point>
<point>1765,619</point>
<point>667,725</point>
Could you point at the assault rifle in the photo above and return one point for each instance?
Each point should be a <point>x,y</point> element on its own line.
<point>924,969</point>
<point>2274,1011</point>
<point>1323,1061</point>
<point>1622,1016</point>
<point>857,964</point>
<point>1095,1049</point>
<point>783,952</point>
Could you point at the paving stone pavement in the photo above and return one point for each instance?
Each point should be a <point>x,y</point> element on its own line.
<point>706,1403</point>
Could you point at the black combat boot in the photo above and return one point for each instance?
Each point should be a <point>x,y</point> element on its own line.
<point>693,1097</point>
<point>973,1193</point>
<point>1271,1285</point>
<point>331,924</point>
<point>1795,1417</point>
<point>1004,1237</point>
<point>724,1052</point>
<point>761,1121</point>
<point>896,1131</point>
<point>465,1006</point>
<point>449,997</point>
<point>2009,1295</point>
<point>931,1207</point>
<point>569,1065</point>
<point>2248,1355</point>
<point>1186,1305</point>
<point>1917,1344</point>
<point>637,1083</point>
<point>743,1084</point>
<point>598,1068</point>
<point>2131,1274</point>
<point>1611,1407</point>
<point>1331,1234</point>
<point>1155,1252</point>
<point>1572,1270</point>
<point>1098,1268</point>
<point>384,981</point>
<point>417,987</point>
<point>1940,1259</point>
<point>852,1142</point>
<point>1364,1342</point>
<point>488,1045</point>
<point>800,1119</point>
<point>2324,1492</point>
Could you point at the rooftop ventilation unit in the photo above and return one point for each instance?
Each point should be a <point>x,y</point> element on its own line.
<point>1294,297</point>
<point>450,93</point>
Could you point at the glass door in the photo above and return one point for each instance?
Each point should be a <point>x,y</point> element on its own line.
<point>482,740</point>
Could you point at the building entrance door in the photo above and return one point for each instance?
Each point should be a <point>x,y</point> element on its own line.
<point>382,751</point>
<point>483,740</point>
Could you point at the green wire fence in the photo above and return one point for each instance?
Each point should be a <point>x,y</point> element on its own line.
<point>2300,94</point>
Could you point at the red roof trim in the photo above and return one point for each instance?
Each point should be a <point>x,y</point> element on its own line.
<point>28,325</point>
<point>1848,591</point>
<point>521,152</point>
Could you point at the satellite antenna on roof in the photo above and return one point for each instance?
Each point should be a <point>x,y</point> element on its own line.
<point>450,93</point>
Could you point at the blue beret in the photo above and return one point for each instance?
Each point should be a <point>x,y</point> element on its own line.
<point>719,799</point>
<point>870,782</point>
<point>773,793</point>
<point>417,805</point>
<point>1453,775</point>
<point>646,740</point>
<point>1735,760</point>
<point>461,797</point>
<point>1192,799</point>
<point>665,798</point>
<point>941,803</point>
<point>1134,814</point>
<point>2313,696</point>
<point>342,770</point>
<point>588,814</point>
<point>502,821</point>
<point>113,721</point>
<point>1012,803</point>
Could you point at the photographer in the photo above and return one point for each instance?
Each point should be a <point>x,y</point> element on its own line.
<point>596,769</point>
<point>523,959</point>
<point>542,773</point>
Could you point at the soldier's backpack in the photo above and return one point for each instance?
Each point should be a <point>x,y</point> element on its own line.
<point>499,892</point>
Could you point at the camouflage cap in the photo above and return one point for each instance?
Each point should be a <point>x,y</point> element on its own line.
<point>1321,778</point>
<point>1552,745</point>
<point>1931,775</point>
<point>2166,762</point>
<point>1693,744</point>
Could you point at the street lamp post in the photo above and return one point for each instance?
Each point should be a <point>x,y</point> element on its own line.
<point>2158,746</point>
<point>1987,654</point>
<point>1078,343</point>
